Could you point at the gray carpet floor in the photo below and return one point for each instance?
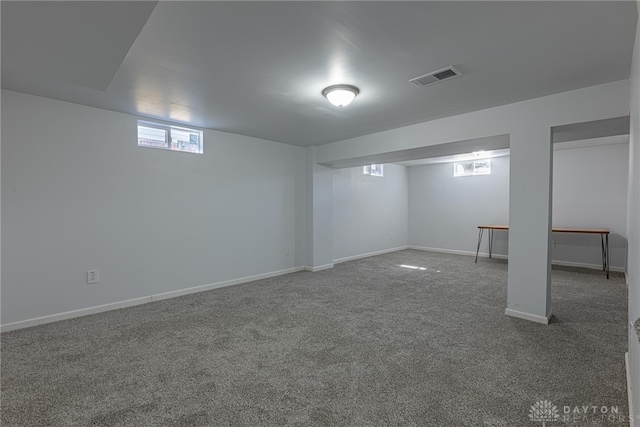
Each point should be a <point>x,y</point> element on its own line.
<point>368,343</point>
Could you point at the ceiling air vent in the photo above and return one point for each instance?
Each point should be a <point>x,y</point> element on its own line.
<point>435,77</point>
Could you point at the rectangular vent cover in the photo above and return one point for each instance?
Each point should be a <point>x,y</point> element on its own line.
<point>436,76</point>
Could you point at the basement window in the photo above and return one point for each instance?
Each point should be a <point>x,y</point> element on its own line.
<point>373,170</point>
<point>168,137</point>
<point>472,167</point>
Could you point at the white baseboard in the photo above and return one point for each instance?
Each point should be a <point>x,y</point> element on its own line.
<point>584,265</point>
<point>74,313</point>
<point>354,257</point>
<point>457,252</point>
<point>368,254</point>
<point>629,389</point>
<point>138,301</point>
<point>195,289</point>
<point>444,251</point>
<point>500,256</point>
<point>319,268</point>
<point>528,316</point>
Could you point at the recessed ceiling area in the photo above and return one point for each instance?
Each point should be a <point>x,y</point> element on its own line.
<point>490,154</point>
<point>590,130</point>
<point>428,153</point>
<point>577,135</point>
<point>258,68</point>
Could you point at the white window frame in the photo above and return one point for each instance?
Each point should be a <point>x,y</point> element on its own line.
<point>373,170</point>
<point>169,145</point>
<point>472,168</point>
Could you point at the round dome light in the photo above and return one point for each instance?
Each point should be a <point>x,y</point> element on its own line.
<point>340,95</point>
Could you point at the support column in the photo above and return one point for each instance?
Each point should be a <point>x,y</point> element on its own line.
<point>530,203</point>
<point>319,247</point>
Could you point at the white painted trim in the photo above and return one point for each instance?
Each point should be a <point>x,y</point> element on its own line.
<point>626,277</point>
<point>500,256</point>
<point>528,316</point>
<point>629,389</point>
<point>368,254</point>
<point>319,268</point>
<point>583,265</point>
<point>457,252</point>
<point>138,301</point>
<point>74,313</point>
<point>196,289</point>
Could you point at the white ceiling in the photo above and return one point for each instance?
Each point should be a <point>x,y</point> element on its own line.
<point>257,68</point>
<point>78,43</point>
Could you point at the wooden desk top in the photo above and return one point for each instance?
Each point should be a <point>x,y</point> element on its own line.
<point>554,229</point>
<point>580,230</point>
<point>494,226</point>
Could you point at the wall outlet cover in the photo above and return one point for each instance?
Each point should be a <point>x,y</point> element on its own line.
<point>93,276</point>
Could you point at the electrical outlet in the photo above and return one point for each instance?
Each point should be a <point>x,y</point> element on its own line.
<point>554,243</point>
<point>93,276</point>
<point>287,250</point>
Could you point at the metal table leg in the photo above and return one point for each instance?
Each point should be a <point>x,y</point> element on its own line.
<point>606,254</point>
<point>490,241</point>
<point>604,262</point>
<point>604,239</point>
<point>480,232</point>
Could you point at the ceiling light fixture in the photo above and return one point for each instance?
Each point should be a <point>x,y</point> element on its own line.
<point>340,95</point>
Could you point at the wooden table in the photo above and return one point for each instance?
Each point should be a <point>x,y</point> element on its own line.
<point>603,232</point>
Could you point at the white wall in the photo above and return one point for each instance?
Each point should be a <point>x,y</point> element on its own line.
<point>318,214</point>
<point>633,225</point>
<point>445,211</point>
<point>604,101</point>
<point>589,190</point>
<point>528,124</point>
<point>369,212</point>
<point>78,194</point>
